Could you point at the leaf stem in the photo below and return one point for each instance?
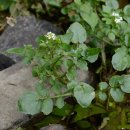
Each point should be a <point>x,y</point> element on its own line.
<point>57,96</point>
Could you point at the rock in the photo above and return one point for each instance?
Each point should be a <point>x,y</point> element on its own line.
<point>14,81</point>
<point>5,62</point>
<point>54,127</point>
<point>25,31</point>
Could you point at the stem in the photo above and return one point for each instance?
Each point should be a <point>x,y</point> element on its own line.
<point>57,96</point>
<point>108,99</point>
<point>103,54</point>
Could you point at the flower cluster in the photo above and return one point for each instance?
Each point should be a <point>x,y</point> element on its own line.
<point>118,19</point>
<point>51,35</point>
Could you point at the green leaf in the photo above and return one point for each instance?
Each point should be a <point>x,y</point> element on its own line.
<point>102,95</point>
<point>41,91</point>
<point>79,33</point>
<point>56,86</point>
<point>56,3</point>
<point>119,59</point>
<point>88,15</point>
<point>47,106</point>
<point>82,64</point>
<point>127,10</point>
<point>71,74</point>
<point>29,103</point>
<point>47,121</point>
<point>125,83</point>
<point>66,38</point>
<point>64,111</point>
<point>92,54</point>
<point>83,125</point>
<point>18,51</point>
<point>5,4</point>
<point>83,113</point>
<point>117,94</point>
<point>127,40</point>
<point>60,102</point>
<point>71,85</point>
<point>78,2</point>
<point>84,94</point>
<point>114,81</point>
<point>103,85</point>
<point>112,3</point>
<point>106,9</point>
<point>111,36</point>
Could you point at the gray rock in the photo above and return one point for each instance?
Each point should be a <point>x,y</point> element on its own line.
<point>25,31</point>
<point>54,127</point>
<point>14,81</point>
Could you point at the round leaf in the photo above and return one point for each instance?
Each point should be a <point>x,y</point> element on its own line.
<point>47,106</point>
<point>114,81</point>
<point>127,10</point>
<point>125,83</point>
<point>60,102</point>
<point>102,95</point>
<point>111,36</point>
<point>84,94</point>
<point>82,64</point>
<point>29,103</point>
<point>117,94</point>
<point>71,85</point>
<point>103,85</point>
<point>79,33</point>
<point>119,61</point>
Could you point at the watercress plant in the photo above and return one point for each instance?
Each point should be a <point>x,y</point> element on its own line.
<point>99,30</point>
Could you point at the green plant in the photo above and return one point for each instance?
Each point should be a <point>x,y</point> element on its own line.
<point>100,30</point>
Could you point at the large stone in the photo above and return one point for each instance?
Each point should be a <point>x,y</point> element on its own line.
<point>54,127</point>
<point>25,31</point>
<point>14,81</point>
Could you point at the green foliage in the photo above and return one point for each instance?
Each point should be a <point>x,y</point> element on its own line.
<point>99,31</point>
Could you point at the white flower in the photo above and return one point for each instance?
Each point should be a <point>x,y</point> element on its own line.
<point>118,19</point>
<point>51,35</point>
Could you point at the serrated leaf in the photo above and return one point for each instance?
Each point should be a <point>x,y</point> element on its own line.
<point>79,33</point>
<point>60,102</point>
<point>47,106</point>
<point>117,94</point>
<point>29,103</point>
<point>103,85</point>
<point>84,94</point>
<point>125,83</point>
<point>102,95</point>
